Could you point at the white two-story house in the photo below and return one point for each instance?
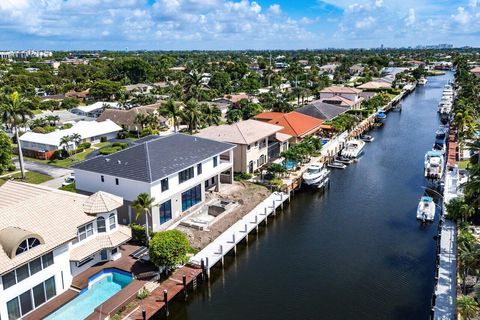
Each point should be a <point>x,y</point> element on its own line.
<point>47,237</point>
<point>335,94</point>
<point>175,169</point>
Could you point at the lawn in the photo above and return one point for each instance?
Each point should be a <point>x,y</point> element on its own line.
<point>65,163</point>
<point>102,144</point>
<point>69,187</point>
<point>30,177</point>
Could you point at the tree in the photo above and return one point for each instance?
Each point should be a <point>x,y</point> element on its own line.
<point>65,142</point>
<point>457,209</point>
<point>104,89</point>
<point>15,113</point>
<point>76,139</point>
<point>6,152</point>
<point>211,114</point>
<point>143,206</point>
<point>275,169</point>
<point>171,110</point>
<point>69,103</point>
<point>192,115</point>
<point>233,115</point>
<point>467,307</point>
<point>169,249</point>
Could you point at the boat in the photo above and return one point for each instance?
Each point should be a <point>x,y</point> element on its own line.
<point>353,148</point>
<point>426,209</point>
<point>316,175</point>
<point>337,165</point>
<point>381,115</point>
<point>433,165</point>
<point>344,160</point>
<point>366,138</point>
<point>422,81</point>
<point>444,116</point>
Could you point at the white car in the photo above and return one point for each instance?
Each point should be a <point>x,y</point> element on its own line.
<point>69,180</point>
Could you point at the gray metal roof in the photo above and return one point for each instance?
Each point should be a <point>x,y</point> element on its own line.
<point>155,159</point>
<point>322,110</point>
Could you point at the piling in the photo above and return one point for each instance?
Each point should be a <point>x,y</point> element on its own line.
<point>184,282</point>
<point>165,299</point>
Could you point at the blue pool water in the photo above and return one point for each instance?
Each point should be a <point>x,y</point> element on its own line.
<point>101,287</point>
<point>290,164</point>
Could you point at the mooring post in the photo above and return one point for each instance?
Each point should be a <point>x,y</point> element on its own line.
<point>281,199</point>
<point>165,299</point>
<point>256,223</point>
<point>246,233</point>
<point>184,282</point>
<point>207,268</point>
<point>266,215</point>
<point>221,253</point>
<point>144,314</point>
<point>234,244</point>
<point>202,265</point>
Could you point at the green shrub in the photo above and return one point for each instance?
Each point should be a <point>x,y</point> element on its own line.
<point>59,154</point>
<point>103,139</point>
<point>169,248</point>
<point>142,294</point>
<point>108,150</point>
<point>67,126</point>
<point>242,176</point>
<point>85,145</point>
<point>121,145</point>
<point>11,167</point>
<point>138,234</point>
<point>38,130</point>
<point>122,134</point>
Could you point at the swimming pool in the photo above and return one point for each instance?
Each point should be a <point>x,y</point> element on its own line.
<point>101,287</point>
<point>290,164</point>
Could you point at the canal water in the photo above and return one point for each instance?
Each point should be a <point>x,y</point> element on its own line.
<point>355,252</point>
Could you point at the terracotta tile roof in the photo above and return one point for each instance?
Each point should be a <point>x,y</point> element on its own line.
<point>338,89</point>
<point>475,70</point>
<point>294,123</point>
<point>242,132</point>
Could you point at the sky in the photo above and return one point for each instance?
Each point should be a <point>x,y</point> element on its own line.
<point>235,24</point>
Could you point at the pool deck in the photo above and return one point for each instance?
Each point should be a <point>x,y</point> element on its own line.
<point>125,263</point>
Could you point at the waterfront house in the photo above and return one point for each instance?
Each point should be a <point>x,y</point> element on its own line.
<point>82,95</point>
<point>375,85</point>
<point>47,237</point>
<point>344,96</point>
<point>127,118</point>
<point>356,70</point>
<point>323,111</point>
<point>295,124</point>
<point>139,88</point>
<point>476,71</point>
<point>328,68</point>
<point>44,145</point>
<point>257,143</point>
<point>93,110</point>
<point>175,169</point>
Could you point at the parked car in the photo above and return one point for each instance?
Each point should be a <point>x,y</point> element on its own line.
<point>69,180</point>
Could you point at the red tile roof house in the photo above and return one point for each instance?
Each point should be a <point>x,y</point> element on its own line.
<point>296,124</point>
<point>337,93</point>
<point>476,71</point>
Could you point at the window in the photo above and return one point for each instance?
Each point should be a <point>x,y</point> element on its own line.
<point>199,168</point>
<point>84,261</point>
<point>164,184</point>
<point>27,245</point>
<point>47,260</point>
<point>39,294</point>
<point>112,221</point>
<point>50,290</point>
<point>114,251</point>
<point>13,309</point>
<point>13,277</point>
<point>116,181</point>
<point>102,178</point>
<point>85,232</point>
<point>101,225</point>
<point>185,175</point>
<point>26,304</point>
<point>215,161</point>
<point>165,211</point>
<point>248,147</point>
<point>35,266</point>
<point>263,144</point>
<point>191,197</point>
<point>256,143</point>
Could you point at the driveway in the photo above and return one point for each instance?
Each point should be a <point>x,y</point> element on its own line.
<point>58,174</point>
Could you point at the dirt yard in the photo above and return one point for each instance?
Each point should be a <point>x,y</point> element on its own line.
<point>247,194</point>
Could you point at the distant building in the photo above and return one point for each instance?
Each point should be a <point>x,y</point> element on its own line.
<point>127,118</point>
<point>476,71</point>
<point>93,110</point>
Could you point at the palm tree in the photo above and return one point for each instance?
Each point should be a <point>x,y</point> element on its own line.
<point>194,84</point>
<point>76,139</point>
<point>15,113</point>
<point>467,307</point>
<point>143,206</point>
<point>211,114</point>
<point>171,110</point>
<point>192,115</point>
<point>65,142</point>
<point>233,115</point>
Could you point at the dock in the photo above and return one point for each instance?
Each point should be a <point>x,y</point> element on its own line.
<point>215,252</point>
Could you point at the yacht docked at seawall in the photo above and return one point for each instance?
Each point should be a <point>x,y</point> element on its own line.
<point>422,81</point>
<point>353,148</point>
<point>434,165</point>
<point>316,175</point>
<point>426,209</point>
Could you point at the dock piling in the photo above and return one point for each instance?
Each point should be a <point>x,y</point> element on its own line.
<point>144,314</point>
<point>234,244</point>
<point>202,265</point>
<point>165,299</point>
<point>184,282</point>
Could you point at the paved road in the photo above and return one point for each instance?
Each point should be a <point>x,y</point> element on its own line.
<point>59,174</point>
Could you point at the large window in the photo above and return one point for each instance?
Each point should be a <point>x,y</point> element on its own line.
<point>199,168</point>
<point>24,303</point>
<point>191,197</point>
<point>165,211</point>
<point>27,245</point>
<point>164,184</point>
<point>25,271</point>
<point>185,175</point>
<point>85,231</point>
<point>215,161</point>
<point>101,225</point>
<point>112,221</point>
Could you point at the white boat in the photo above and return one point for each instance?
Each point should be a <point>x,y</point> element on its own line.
<point>337,165</point>
<point>366,138</point>
<point>422,81</point>
<point>353,148</point>
<point>426,209</point>
<point>316,175</point>
<point>434,163</point>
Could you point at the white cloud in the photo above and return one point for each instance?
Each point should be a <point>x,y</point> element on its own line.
<point>365,22</point>
<point>473,3</point>
<point>462,16</point>
<point>410,18</point>
<point>275,9</point>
